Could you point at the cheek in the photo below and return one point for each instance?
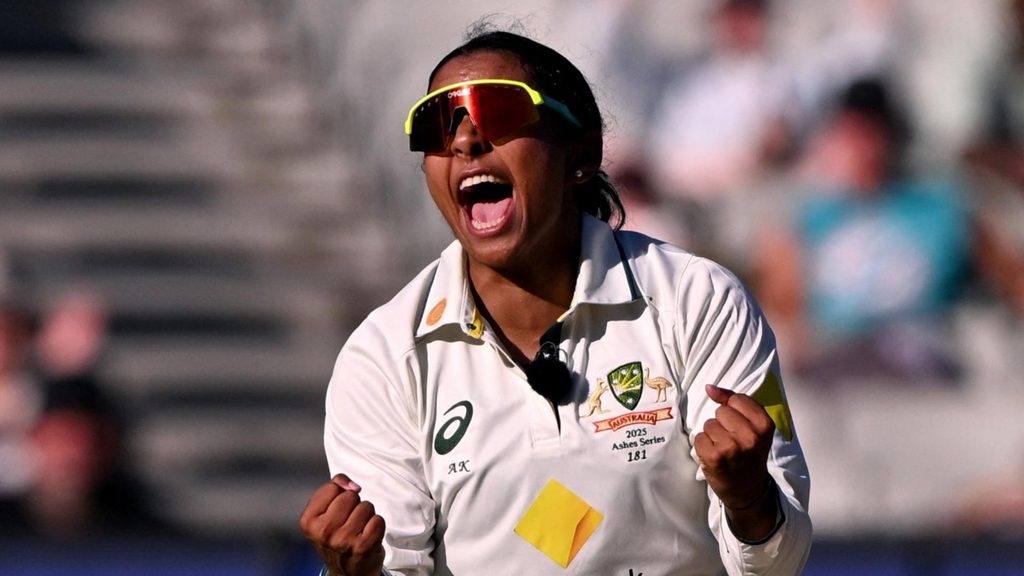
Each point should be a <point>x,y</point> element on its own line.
<point>553,181</point>
<point>541,165</point>
<point>435,172</point>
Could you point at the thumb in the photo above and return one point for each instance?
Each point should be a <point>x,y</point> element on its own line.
<point>345,483</point>
<point>717,394</point>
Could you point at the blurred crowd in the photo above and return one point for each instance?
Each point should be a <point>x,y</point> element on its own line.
<point>809,179</point>
<point>61,474</point>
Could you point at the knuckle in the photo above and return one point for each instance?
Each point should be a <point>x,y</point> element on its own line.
<point>711,458</point>
<point>702,442</point>
<point>321,534</point>
<point>748,439</point>
<point>307,518</point>
<point>369,508</point>
<point>327,488</point>
<point>340,543</point>
<point>728,451</point>
<point>315,531</point>
<point>763,430</point>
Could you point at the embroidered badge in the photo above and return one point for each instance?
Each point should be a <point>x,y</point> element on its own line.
<point>436,312</point>
<point>627,384</point>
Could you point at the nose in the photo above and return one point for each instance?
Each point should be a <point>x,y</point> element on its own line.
<point>468,141</point>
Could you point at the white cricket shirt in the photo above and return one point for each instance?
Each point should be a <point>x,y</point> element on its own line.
<point>427,413</point>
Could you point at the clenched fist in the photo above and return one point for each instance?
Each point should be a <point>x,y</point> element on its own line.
<point>733,453</point>
<point>345,530</point>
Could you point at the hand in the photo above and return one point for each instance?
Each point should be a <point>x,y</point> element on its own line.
<point>733,453</point>
<point>346,532</point>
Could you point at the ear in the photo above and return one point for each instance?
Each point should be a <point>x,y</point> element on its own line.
<point>584,158</point>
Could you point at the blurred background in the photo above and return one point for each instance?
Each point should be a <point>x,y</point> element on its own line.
<point>199,199</point>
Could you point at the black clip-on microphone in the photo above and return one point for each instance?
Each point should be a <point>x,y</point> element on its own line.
<point>547,374</point>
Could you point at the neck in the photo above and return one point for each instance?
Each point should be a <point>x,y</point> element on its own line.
<point>521,305</point>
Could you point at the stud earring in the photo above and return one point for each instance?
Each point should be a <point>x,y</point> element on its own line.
<point>579,173</point>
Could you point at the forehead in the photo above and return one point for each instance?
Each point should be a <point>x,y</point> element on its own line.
<point>480,65</point>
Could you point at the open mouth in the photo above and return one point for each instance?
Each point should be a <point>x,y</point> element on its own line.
<point>487,202</point>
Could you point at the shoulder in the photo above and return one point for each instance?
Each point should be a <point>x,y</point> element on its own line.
<point>661,267</point>
<point>650,256</point>
<point>373,365</point>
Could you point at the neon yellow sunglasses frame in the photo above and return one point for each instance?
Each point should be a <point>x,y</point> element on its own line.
<point>537,98</point>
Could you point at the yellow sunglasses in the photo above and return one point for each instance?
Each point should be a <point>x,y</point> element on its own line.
<point>497,108</point>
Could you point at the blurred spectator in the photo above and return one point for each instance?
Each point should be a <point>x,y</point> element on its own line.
<point>860,40</point>
<point>71,338</point>
<point>78,484</point>
<point>998,156</point>
<point>1000,151</point>
<point>73,444</point>
<point>992,507</point>
<point>21,400</point>
<point>860,282</point>
<point>723,119</point>
<point>79,487</point>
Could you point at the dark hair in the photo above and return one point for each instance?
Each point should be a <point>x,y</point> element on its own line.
<point>553,74</point>
<point>872,98</point>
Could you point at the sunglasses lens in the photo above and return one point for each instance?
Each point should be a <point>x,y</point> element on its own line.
<point>497,110</point>
<point>430,125</point>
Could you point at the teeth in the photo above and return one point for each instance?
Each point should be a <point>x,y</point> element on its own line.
<point>480,179</point>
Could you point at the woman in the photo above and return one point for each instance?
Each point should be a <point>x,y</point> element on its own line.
<point>552,394</point>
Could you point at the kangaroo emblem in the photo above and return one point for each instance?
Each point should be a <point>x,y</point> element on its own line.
<point>594,400</point>
<point>657,383</point>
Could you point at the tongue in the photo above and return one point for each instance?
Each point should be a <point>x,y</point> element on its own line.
<point>490,211</point>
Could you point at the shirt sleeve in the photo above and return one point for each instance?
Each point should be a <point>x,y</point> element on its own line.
<point>371,434</point>
<point>727,342</point>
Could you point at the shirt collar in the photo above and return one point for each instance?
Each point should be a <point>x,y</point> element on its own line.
<point>450,300</point>
<point>603,278</point>
<point>604,275</point>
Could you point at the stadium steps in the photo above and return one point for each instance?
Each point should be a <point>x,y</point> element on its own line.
<point>184,171</point>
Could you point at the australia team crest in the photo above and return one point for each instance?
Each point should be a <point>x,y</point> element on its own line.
<point>627,384</point>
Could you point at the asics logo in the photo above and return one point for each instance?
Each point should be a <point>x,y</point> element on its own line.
<point>454,428</point>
